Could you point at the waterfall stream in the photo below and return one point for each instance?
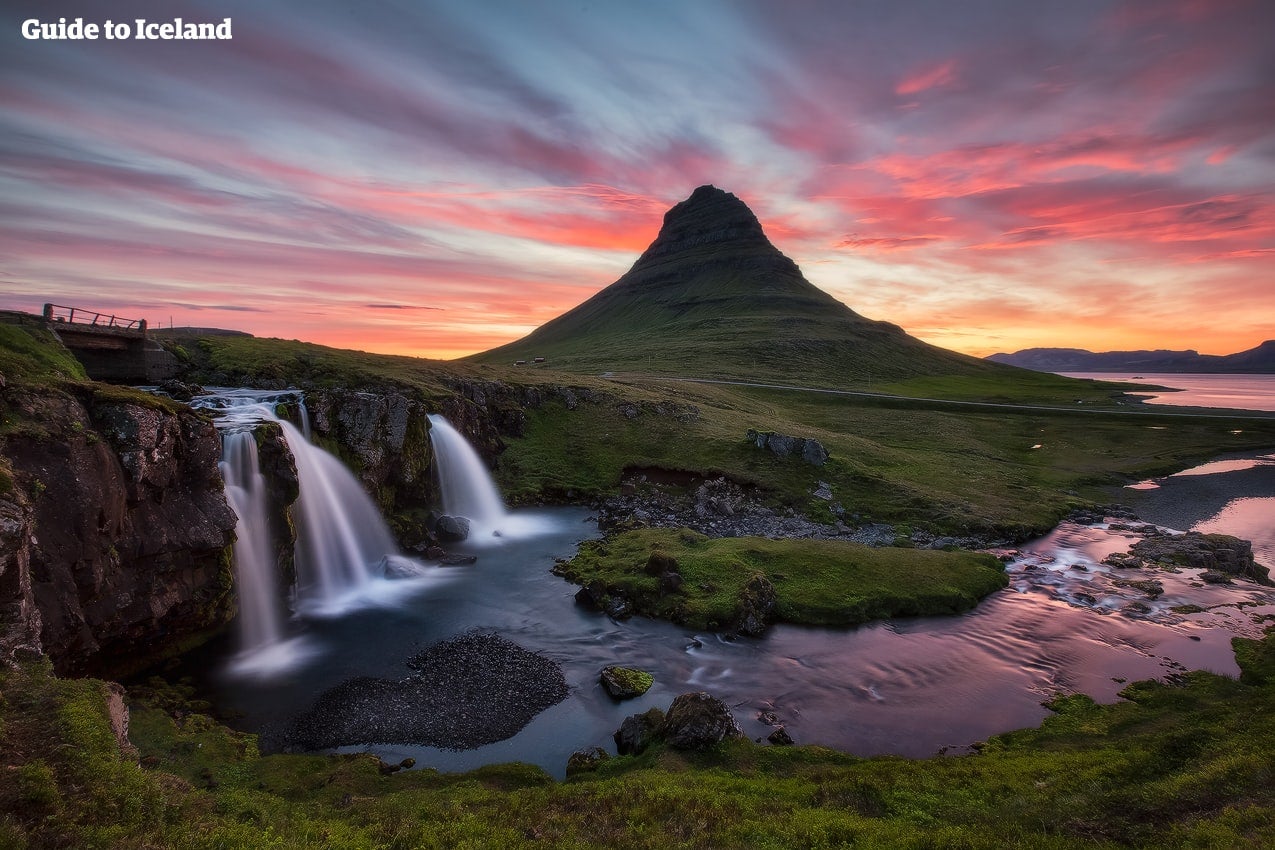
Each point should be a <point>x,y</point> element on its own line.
<point>343,546</point>
<point>345,556</point>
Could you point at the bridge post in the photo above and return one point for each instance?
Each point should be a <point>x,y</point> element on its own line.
<point>48,312</point>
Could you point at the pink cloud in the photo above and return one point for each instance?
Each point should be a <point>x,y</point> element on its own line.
<point>935,76</point>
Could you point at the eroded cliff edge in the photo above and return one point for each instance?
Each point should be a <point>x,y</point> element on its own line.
<point>114,526</point>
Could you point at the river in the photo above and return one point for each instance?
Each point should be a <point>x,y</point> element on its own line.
<point>912,687</point>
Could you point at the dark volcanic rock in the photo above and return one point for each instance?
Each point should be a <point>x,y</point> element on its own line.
<point>1218,552</point>
<point>757,605</point>
<point>696,721</point>
<point>123,533</point>
<point>452,529</point>
<point>638,731</point>
<point>467,691</point>
<point>809,450</point>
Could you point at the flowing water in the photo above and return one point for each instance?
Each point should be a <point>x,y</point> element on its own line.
<point>912,687</point>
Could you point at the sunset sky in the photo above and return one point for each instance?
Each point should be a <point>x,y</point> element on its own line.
<point>437,178</point>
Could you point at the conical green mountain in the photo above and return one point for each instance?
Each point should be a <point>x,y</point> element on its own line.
<point>713,298</point>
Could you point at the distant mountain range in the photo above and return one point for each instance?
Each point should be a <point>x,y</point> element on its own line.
<point>1255,360</point>
<point>712,297</point>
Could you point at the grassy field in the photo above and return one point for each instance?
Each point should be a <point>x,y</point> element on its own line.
<point>816,582</point>
<point>1186,764</point>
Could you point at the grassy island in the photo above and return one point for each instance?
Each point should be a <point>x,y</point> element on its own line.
<point>814,582</point>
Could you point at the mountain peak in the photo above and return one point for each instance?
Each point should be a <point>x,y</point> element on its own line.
<point>712,297</point>
<point>709,216</point>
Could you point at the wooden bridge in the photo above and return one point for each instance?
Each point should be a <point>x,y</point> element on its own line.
<point>111,347</point>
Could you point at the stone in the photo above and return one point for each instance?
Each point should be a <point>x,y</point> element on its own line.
<point>452,528</point>
<point>457,560</point>
<point>584,761</point>
<point>780,738</point>
<point>823,491</point>
<point>435,553</point>
<point>638,731</point>
<point>625,682</point>
<point>696,721</point>
<point>670,583</point>
<point>757,605</point>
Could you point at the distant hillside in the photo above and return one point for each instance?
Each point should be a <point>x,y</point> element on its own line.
<point>1256,360</point>
<point>712,297</point>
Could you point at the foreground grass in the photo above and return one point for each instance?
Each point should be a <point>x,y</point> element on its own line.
<point>815,582</point>
<point>1187,764</point>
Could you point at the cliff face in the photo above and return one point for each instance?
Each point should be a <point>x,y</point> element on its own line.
<point>116,529</point>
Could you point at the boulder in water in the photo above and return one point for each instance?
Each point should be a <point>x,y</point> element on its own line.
<point>452,528</point>
<point>625,682</point>
<point>696,721</point>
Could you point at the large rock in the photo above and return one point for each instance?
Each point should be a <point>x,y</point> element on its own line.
<point>624,682</point>
<point>126,553</point>
<point>696,721</point>
<point>1219,552</point>
<point>756,605</point>
<point>451,529</point>
<point>808,449</point>
<point>638,731</point>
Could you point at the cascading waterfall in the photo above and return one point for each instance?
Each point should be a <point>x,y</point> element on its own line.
<point>341,538</point>
<point>260,620</point>
<point>343,544</point>
<point>467,488</point>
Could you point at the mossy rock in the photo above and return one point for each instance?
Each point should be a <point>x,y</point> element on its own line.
<point>625,682</point>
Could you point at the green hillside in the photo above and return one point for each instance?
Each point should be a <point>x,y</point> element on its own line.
<point>713,298</point>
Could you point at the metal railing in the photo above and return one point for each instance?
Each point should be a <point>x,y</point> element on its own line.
<point>80,316</point>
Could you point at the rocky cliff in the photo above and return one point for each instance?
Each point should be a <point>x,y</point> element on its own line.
<point>114,526</point>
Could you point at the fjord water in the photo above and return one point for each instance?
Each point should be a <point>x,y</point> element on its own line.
<point>1236,392</point>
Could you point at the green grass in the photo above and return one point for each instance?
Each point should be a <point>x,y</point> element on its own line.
<point>33,355</point>
<point>816,582</point>
<point>1181,765</point>
<point>949,470</point>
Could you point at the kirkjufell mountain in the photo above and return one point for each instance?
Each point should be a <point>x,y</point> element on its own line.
<point>713,298</point>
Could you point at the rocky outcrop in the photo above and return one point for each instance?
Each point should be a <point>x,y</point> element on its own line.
<point>20,622</point>
<point>1220,553</point>
<point>383,437</point>
<point>123,543</point>
<point>809,450</point>
<point>695,721</point>
<point>638,731</point>
<point>757,604</point>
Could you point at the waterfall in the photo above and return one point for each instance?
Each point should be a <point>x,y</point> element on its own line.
<point>341,537</point>
<point>343,545</point>
<point>260,622</point>
<point>467,488</point>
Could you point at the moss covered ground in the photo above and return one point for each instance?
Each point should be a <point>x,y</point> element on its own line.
<point>816,582</point>
<point>1189,763</point>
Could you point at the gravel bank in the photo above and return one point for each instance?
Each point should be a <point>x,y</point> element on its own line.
<point>467,691</point>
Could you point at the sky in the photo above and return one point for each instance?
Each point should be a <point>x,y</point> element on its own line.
<point>438,178</point>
